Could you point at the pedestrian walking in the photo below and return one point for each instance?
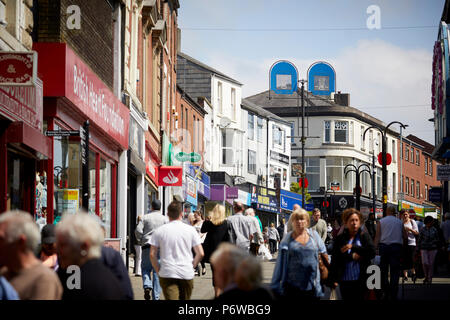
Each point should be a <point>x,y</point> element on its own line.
<point>282,229</point>
<point>138,251</point>
<point>446,232</point>
<point>79,239</point>
<point>241,228</point>
<point>47,253</point>
<point>197,224</point>
<point>257,237</point>
<point>146,227</point>
<point>296,274</point>
<point>318,224</point>
<point>389,238</point>
<point>274,237</point>
<point>175,241</point>
<point>19,239</point>
<point>371,225</point>
<point>239,275</point>
<point>352,253</point>
<point>216,230</point>
<point>428,244</point>
<point>409,248</point>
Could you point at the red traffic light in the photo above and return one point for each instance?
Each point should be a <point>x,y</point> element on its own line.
<point>388,158</point>
<point>300,184</point>
<point>325,204</point>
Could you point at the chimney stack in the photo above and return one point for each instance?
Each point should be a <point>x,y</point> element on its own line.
<point>342,99</point>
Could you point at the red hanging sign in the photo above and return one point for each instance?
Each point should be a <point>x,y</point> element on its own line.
<point>300,183</point>
<point>170,176</point>
<point>18,68</point>
<point>388,158</point>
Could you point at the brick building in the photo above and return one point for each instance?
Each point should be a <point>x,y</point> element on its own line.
<point>419,175</point>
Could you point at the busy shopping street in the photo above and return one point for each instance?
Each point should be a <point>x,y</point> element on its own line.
<point>243,153</point>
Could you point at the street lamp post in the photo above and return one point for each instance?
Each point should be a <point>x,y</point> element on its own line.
<point>358,172</point>
<point>383,158</point>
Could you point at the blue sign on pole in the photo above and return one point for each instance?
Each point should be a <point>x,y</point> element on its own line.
<point>283,77</point>
<point>288,199</point>
<point>309,206</point>
<point>321,79</point>
<point>435,194</point>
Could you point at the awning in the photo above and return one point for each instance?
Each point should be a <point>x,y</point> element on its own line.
<point>21,133</point>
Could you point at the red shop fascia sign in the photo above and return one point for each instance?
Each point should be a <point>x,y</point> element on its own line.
<point>66,75</point>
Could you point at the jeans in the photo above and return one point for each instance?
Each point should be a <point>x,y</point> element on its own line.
<point>147,269</point>
<point>428,257</point>
<point>390,264</point>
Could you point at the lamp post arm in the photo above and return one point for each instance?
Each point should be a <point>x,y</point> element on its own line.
<point>372,127</point>
<point>363,165</point>
<point>365,170</point>
<point>350,165</point>
<point>393,122</point>
<point>346,172</point>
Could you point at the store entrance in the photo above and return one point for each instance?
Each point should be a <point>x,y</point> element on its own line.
<point>131,215</point>
<point>21,182</point>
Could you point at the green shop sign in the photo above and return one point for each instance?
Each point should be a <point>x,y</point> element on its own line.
<point>191,157</point>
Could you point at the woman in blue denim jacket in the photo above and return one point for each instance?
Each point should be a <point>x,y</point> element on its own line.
<point>296,273</point>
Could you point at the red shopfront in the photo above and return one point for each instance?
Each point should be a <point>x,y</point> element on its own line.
<point>73,93</point>
<point>152,163</point>
<point>24,149</point>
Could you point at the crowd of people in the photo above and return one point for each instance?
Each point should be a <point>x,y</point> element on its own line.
<point>69,260</point>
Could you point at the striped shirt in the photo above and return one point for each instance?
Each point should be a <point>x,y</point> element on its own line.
<point>352,269</point>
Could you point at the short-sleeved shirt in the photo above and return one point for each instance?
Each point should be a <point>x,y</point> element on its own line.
<point>391,230</point>
<point>411,237</point>
<point>302,270</point>
<point>175,241</point>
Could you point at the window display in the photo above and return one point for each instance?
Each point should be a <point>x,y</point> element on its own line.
<point>105,195</point>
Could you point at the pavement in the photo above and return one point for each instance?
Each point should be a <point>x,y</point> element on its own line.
<point>203,289</point>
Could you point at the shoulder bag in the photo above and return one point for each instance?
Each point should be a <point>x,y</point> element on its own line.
<point>324,264</point>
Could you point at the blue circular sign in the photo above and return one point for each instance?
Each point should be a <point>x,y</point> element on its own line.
<point>321,79</point>
<point>283,77</point>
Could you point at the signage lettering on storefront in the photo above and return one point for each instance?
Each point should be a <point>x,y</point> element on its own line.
<point>66,75</point>
<point>18,68</point>
<point>23,104</point>
<point>265,199</point>
<point>279,157</point>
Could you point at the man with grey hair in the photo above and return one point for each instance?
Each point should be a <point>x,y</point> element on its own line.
<point>318,224</point>
<point>238,274</point>
<point>19,239</point>
<point>256,237</point>
<point>241,228</point>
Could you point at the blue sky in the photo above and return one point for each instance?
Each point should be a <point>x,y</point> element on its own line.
<point>387,71</point>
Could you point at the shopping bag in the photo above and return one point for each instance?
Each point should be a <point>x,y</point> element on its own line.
<point>264,253</point>
<point>333,294</point>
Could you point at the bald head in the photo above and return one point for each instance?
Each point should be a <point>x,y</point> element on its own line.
<point>238,207</point>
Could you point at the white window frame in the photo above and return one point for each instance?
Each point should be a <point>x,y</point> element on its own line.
<point>220,97</point>
<point>325,123</point>
<point>347,133</point>
<point>233,104</point>
<point>249,164</point>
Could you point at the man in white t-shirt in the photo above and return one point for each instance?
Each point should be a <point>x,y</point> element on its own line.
<point>175,240</point>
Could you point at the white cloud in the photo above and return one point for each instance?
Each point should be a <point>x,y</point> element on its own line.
<point>375,73</point>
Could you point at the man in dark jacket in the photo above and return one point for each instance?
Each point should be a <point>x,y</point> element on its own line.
<point>281,229</point>
<point>370,225</point>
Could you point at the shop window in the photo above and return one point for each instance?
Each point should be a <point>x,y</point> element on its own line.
<point>335,172</point>
<point>105,195</point>
<point>67,175</point>
<point>92,186</point>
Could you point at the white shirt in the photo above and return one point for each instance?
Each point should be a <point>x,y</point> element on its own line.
<point>411,237</point>
<point>391,230</point>
<point>175,241</point>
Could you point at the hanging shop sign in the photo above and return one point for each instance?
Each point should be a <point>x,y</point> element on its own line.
<point>443,172</point>
<point>283,77</point>
<point>66,75</point>
<point>203,180</point>
<point>435,194</point>
<point>321,79</point>
<point>244,197</point>
<point>191,157</point>
<point>18,68</point>
<point>191,190</point>
<point>288,199</point>
<point>151,166</point>
<point>418,209</point>
<point>170,176</point>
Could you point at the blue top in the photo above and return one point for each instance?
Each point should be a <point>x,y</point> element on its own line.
<point>352,268</point>
<point>7,292</point>
<point>298,264</point>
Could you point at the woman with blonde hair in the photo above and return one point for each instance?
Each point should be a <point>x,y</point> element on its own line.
<point>296,273</point>
<point>216,229</point>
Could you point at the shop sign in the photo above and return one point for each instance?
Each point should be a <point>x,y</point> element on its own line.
<point>66,75</point>
<point>151,167</point>
<point>232,193</point>
<point>266,199</point>
<point>18,68</point>
<point>288,199</point>
<point>283,77</point>
<point>68,200</point>
<point>170,176</point>
<point>443,172</point>
<point>217,192</point>
<point>191,157</point>
<point>418,209</point>
<point>279,157</point>
<point>203,180</point>
<point>435,195</point>
<point>244,197</point>
<point>23,104</point>
<point>191,190</point>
